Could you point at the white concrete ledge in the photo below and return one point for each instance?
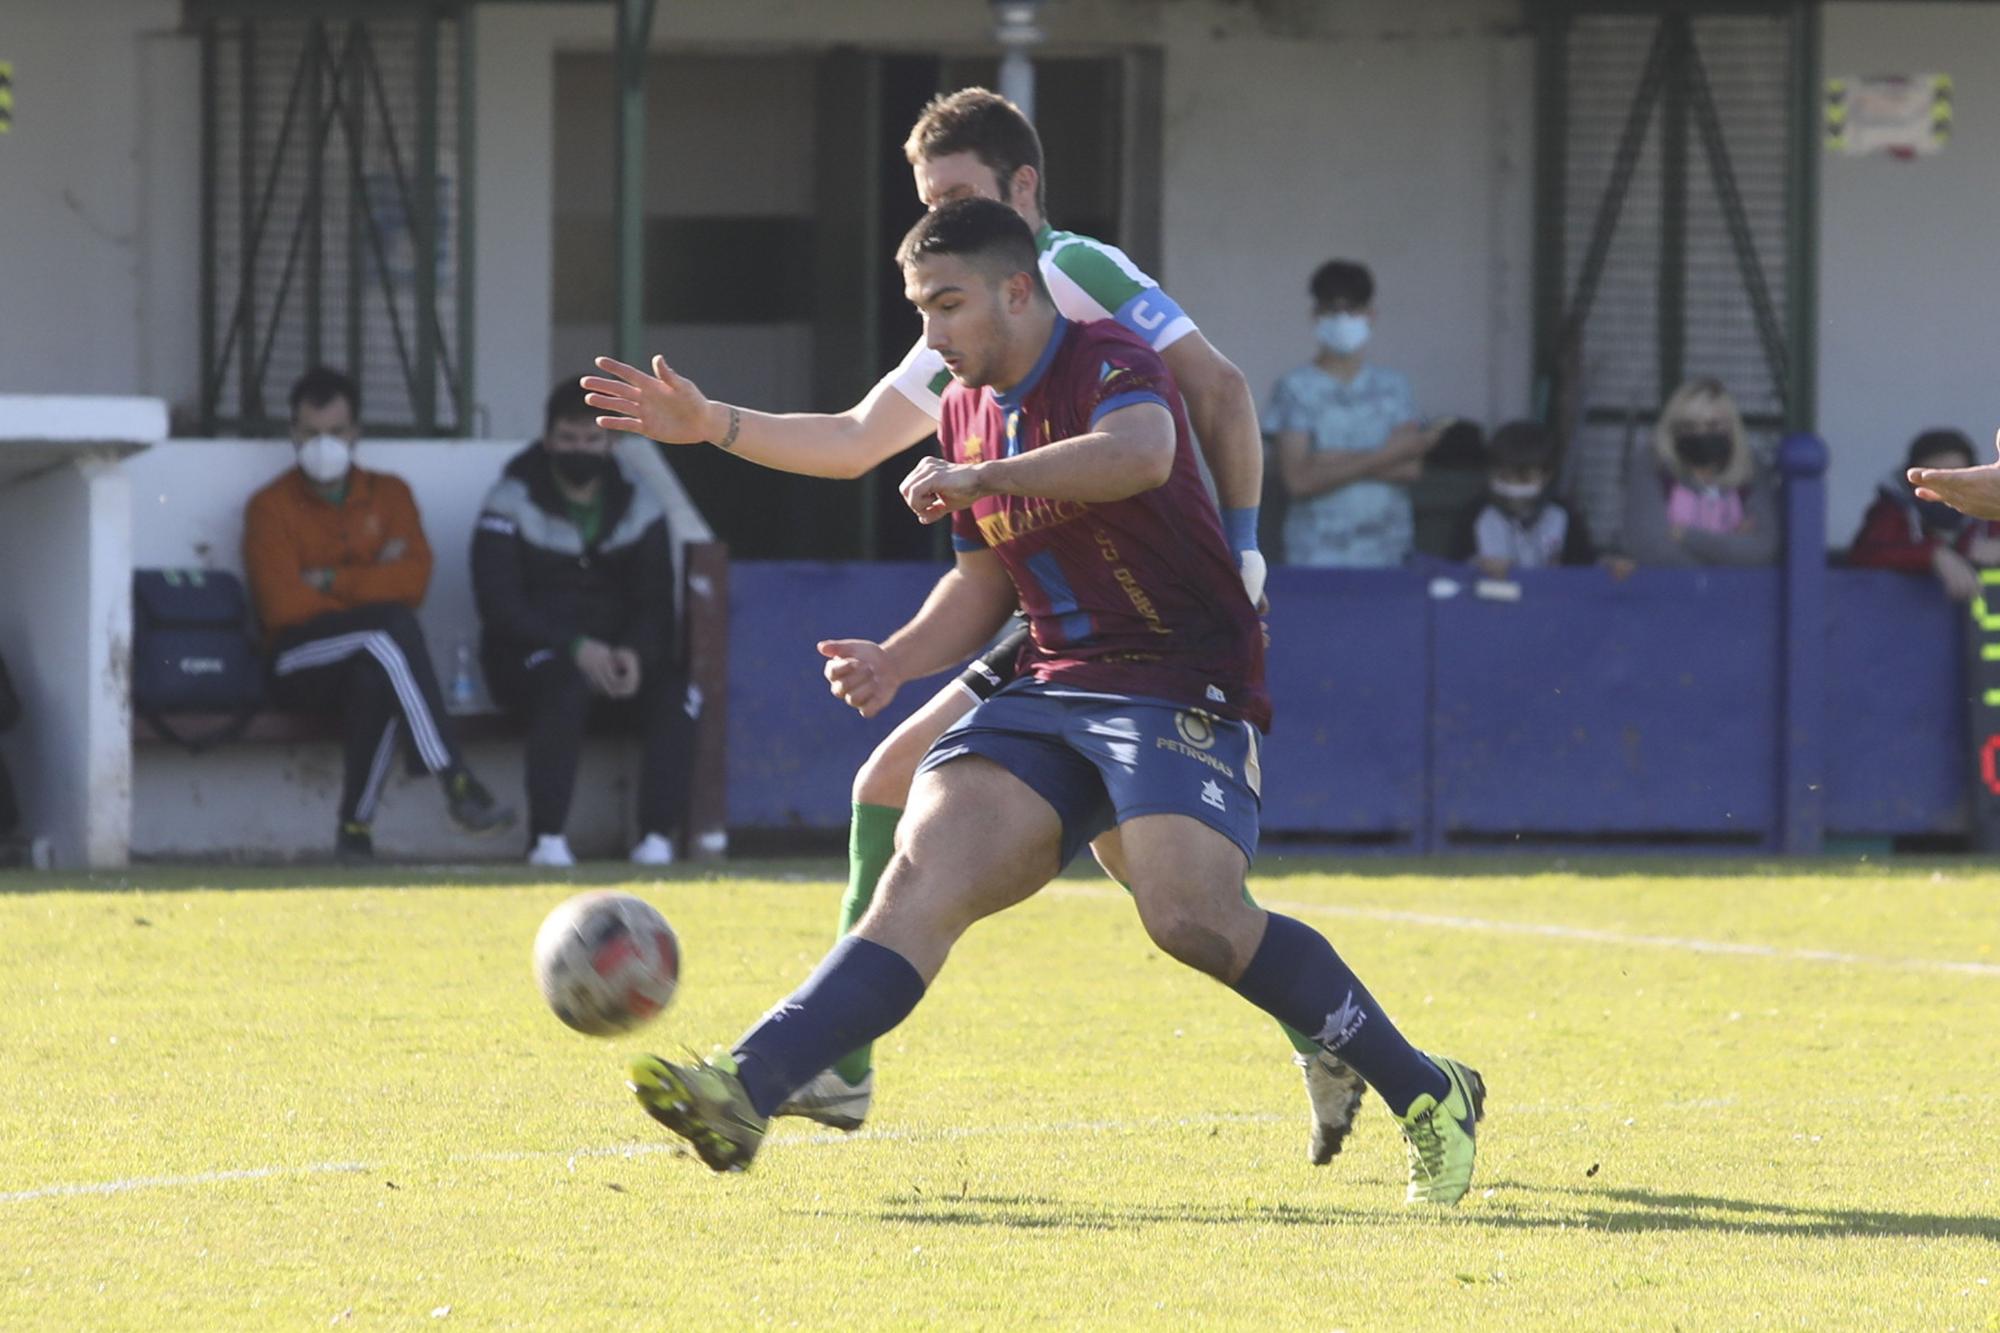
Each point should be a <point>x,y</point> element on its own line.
<point>54,418</point>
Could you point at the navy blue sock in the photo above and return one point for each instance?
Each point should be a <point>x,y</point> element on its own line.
<point>859,991</point>
<point>1297,978</point>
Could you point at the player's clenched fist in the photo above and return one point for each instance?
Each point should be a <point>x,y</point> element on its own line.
<point>859,674</point>
<point>935,488</point>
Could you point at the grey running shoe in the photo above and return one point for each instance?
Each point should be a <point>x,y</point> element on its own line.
<point>832,1100</point>
<point>1335,1091</point>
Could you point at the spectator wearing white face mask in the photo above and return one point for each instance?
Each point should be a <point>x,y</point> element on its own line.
<point>338,564</point>
<point>1348,442</point>
<point>1518,523</point>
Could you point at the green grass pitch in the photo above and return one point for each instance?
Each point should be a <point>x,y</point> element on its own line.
<point>1723,1095</point>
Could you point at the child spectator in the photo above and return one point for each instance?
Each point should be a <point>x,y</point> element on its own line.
<point>1348,442</point>
<point>1699,496</point>
<point>1517,523</point>
<point>1902,532</point>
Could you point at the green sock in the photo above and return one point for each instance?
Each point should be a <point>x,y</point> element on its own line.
<point>871,841</point>
<point>1301,1043</point>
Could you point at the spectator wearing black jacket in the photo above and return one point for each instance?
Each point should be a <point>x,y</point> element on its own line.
<point>573,570</point>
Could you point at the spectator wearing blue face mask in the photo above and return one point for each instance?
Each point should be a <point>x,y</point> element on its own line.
<point>1923,536</point>
<point>1348,442</point>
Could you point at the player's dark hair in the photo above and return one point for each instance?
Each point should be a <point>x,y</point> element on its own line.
<point>982,230</point>
<point>1520,445</point>
<point>1342,282</point>
<point>321,385</point>
<point>1931,443</point>
<point>985,124</point>
<point>566,404</point>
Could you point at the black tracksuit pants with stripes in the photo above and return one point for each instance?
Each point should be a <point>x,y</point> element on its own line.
<point>369,666</point>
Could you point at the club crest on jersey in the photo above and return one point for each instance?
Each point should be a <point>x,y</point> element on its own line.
<point>971,448</point>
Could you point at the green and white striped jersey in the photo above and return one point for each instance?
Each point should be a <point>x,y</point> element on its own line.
<point>1089,280</point>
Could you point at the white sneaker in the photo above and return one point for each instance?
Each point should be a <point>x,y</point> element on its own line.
<point>1335,1091</point>
<point>552,849</point>
<point>832,1100</point>
<point>653,850</point>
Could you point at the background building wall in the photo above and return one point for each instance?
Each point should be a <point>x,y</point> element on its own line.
<point>98,166</point>
<point>1908,287</point>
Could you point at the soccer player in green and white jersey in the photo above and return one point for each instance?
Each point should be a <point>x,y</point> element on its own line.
<point>975,143</point>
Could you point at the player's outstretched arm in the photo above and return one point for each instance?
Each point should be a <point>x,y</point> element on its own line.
<point>964,610</point>
<point>671,408</point>
<point>1132,450</point>
<point>1969,490</point>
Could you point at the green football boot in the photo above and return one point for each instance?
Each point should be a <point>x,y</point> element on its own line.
<point>1440,1135</point>
<point>704,1103</point>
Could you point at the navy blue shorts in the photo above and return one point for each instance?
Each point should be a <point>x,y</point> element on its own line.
<point>1101,759</point>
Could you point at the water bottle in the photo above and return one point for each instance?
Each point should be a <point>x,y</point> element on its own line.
<point>464,685</point>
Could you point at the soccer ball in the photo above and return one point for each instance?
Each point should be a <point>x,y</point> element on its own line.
<point>606,962</point>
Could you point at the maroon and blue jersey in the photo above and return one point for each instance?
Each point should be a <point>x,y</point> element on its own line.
<point>1137,596</point>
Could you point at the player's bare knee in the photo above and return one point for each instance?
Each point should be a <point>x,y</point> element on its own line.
<point>884,777</point>
<point>1192,939</point>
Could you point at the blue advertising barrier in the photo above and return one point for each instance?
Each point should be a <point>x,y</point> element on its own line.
<point>1426,710</point>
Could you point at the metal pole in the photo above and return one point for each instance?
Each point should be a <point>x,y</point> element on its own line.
<point>1015,28</point>
<point>249,405</point>
<point>211,170</point>
<point>1551,144</point>
<point>358,221</point>
<point>464,269</point>
<point>315,58</point>
<point>635,27</point>
<point>423,228</point>
<point>1802,221</point>
<point>1672,327</point>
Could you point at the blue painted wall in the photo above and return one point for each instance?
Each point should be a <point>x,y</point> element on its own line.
<point>1765,706</point>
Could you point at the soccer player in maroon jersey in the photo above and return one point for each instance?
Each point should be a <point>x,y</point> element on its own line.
<point>1070,483</point>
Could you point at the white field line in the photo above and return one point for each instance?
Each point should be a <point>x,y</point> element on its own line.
<point>1592,935</point>
<point>649,1148</point>
<point>827,1138</point>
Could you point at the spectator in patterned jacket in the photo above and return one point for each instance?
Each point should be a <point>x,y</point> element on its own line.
<point>1917,536</point>
<point>574,573</point>
<point>1348,442</point>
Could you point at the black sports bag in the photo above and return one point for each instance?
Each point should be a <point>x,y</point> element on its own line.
<point>192,651</point>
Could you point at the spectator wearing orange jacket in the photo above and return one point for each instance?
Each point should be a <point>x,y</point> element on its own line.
<point>338,565</point>
<point>1924,536</point>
